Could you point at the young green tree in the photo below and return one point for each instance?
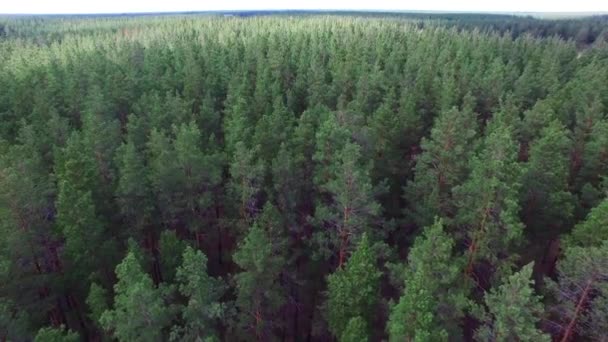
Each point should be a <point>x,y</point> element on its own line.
<point>199,174</point>
<point>97,301</point>
<point>288,184</point>
<point>396,130</point>
<point>513,311</point>
<point>247,177</point>
<point>433,299</point>
<point>203,309</point>
<point>77,217</point>
<point>162,172</point>
<point>170,251</point>
<point>593,231</point>
<point>488,213</point>
<point>546,201</point>
<point>534,121</point>
<point>139,312</point>
<point>442,165</point>
<point>184,176</point>
<point>330,137</point>
<point>413,318</point>
<point>100,138</point>
<point>262,256</point>
<point>352,291</point>
<point>239,122</point>
<point>273,129</point>
<point>352,209</point>
<point>593,164</point>
<point>133,191</point>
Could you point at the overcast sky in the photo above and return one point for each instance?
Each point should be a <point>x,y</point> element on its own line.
<point>125,6</point>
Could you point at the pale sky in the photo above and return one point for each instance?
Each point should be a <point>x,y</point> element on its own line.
<point>126,6</point>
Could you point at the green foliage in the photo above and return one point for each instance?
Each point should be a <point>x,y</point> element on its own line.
<point>442,165</point>
<point>203,294</point>
<point>171,249</point>
<point>274,144</point>
<point>273,129</point>
<point>77,215</point>
<point>356,331</point>
<point>56,335</point>
<point>97,301</point>
<point>513,311</point>
<point>14,323</point>
<point>247,175</point>
<point>183,175</point>
<point>133,190</point>
<point>352,291</point>
<point>413,317</point>
<point>581,291</point>
<point>434,298</point>
<point>546,200</point>
<point>352,210</point>
<point>488,210</point>
<point>593,231</point>
<point>139,312</point>
<point>26,193</point>
<point>259,292</point>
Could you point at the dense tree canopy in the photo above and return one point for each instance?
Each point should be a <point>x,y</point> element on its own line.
<point>303,177</point>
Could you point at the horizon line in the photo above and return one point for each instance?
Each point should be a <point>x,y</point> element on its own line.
<point>397,11</point>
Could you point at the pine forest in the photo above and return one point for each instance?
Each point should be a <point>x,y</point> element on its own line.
<point>303,177</point>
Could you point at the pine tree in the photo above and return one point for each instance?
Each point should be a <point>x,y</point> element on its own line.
<point>139,312</point>
<point>593,231</point>
<point>352,291</point>
<point>26,194</point>
<point>351,209</point>
<point>170,250</point>
<point>535,121</point>
<point>199,174</point>
<point>203,294</point>
<point>162,172</point>
<point>395,130</point>
<point>259,292</point>
<point>288,188</point>
<point>330,138</point>
<point>77,215</point>
<point>433,300</point>
<point>273,129</point>
<point>184,176</point>
<point>513,311</point>
<point>593,164</point>
<point>413,317</point>
<point>581,292</point>
<point>101,138</point>
<point>304,146</point>
<point>238,120</point>
<point>133,191</point>
<point>546,201</point>
<point>247,176</point>
<point>488,210</point>
<point>442,165</point>
<point>97,302</point>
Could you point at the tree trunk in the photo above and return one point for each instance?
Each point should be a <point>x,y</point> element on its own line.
<point>577,311</point>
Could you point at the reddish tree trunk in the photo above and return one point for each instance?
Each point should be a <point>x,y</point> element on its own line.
<point>577,311</point>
